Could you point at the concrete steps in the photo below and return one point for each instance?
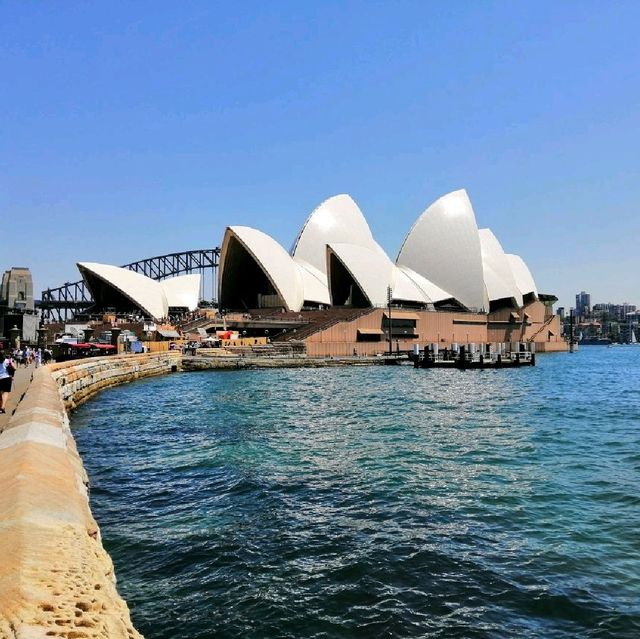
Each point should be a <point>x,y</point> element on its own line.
<point>321,320</point>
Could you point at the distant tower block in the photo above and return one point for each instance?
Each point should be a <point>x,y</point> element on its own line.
<point>583,304</point>
<point>16,290</point>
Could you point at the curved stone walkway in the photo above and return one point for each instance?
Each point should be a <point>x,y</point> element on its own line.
<point>21,382</point>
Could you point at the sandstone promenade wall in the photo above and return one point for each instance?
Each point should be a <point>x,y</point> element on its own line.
<point>208,362</point>
<point>80,379</point>
<point>56,579</point>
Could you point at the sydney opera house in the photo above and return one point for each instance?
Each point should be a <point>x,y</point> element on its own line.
<point>114,287</point>
<point>445,261</point>
<point>339,292</point>
<point>450,282</point>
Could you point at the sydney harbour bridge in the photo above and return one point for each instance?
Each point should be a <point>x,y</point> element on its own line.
<point>62,303</point>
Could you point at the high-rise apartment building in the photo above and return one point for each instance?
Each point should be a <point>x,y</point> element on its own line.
<point>583,304</point>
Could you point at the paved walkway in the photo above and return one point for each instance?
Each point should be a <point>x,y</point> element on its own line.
<point>21,382</point>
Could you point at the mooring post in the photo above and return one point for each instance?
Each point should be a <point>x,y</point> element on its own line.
<point>571,332</point>
<point>389,318</point>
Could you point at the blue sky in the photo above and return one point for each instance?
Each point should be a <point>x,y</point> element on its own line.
<point>135,129</point>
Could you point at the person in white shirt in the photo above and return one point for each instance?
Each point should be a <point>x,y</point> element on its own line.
<point>7,369</point>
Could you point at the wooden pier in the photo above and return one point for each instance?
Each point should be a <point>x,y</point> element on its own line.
<point>472,357</point>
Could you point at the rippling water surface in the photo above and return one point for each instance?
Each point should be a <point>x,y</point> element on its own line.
<point>375,502</point>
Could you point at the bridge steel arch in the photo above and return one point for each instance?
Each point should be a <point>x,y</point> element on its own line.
<point>61,303</point>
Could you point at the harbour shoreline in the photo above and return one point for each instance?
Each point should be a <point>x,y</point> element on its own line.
<point>59,580</point>
<point>58,577</point>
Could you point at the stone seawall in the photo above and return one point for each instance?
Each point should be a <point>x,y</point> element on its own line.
<point>197,363</point>
<point>80,379</point>
<point>56,579</point>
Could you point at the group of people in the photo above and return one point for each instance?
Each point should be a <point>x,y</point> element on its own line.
<point>24,357</point>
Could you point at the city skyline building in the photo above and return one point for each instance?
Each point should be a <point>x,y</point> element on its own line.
<point>17,304</point>
<point>583,304</point>
<point>16,290</point>
<point>602,321</point>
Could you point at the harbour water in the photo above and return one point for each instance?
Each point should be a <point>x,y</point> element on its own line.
<point>374,502</point>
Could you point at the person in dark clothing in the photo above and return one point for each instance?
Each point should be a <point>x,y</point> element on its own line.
<point>7,370</point>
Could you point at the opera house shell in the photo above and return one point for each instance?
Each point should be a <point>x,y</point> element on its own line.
<point>126,290</point>
<point>445,262</point>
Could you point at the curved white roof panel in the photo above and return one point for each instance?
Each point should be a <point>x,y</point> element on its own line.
<point>145,293</point>
<point>432,292</point>
<point>337,220</point>
<point>494,258</point>
<point>183,291</point>
<point>497,288</point>
<point>522,275</point>
<point>314,283</point>
<point>405,289</point>
<point>374,272</point>
<point>443,246</point>
<point>275,262</point>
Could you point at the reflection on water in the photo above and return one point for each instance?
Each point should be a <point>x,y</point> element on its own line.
<point>375,502</point>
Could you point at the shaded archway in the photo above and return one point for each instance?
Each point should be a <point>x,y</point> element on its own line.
<point>244,284</point>
<point>343,288</point>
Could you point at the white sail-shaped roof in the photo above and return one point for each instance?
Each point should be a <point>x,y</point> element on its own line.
<point>337,220</point>
<point>522,275</point>
<point>314,283</point>
<point>142,291</point>
<point>443,246</point>
<point>370,270</point>
<point>444,259</point>
<point>405,289</point>
<point>434,293</point>
<point>273,259</point>
<point>182,291</point>
<point>374,272</point>
<point>500,281</point>
<point>497,289</point>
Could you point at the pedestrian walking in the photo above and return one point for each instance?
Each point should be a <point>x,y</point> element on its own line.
<point>7,371</point>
